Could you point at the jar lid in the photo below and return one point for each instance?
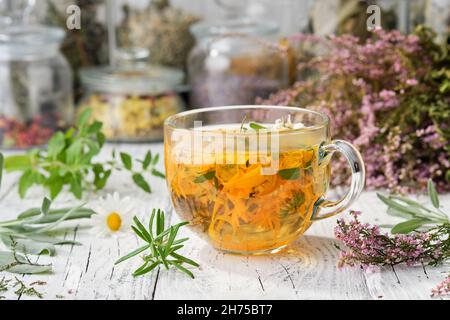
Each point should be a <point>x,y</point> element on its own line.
<point>22,41</point>
<point>148,79</point>
<point>239,25</point>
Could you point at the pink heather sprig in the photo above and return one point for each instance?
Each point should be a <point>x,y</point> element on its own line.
<point>380,96</point>
<point>442,289</point>
<point>369,248</point>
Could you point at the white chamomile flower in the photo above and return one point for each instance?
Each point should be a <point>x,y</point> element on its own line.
<point>114,216</point>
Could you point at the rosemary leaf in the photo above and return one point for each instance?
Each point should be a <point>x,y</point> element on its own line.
<point>161,243</point>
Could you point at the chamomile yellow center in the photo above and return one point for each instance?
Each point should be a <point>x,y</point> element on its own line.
<point>114,221</point>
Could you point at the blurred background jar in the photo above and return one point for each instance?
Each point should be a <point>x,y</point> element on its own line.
<point>36,85</point>
<point>350,16</point>
<point>132,100</point>
<point>236,61</point>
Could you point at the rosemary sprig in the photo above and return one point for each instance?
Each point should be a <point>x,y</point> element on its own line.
<point>161,245</point>
<point>417,214</point>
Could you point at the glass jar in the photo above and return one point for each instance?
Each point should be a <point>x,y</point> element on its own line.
<point>36,86</point>
<point>234,63</point>
<point>132,101</point>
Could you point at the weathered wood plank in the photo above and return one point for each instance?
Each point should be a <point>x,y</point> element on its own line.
<point>307,270</point>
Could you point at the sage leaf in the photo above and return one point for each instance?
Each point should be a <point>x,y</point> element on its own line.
<point>17,263</point>
<point>55,215</point>
<point>28,246</point>
<point>397,213</point>
<point>432,193</point>
<point>411,209</point>
<point>289,174</point>
<point>45,206</point>
<point>408,226</point>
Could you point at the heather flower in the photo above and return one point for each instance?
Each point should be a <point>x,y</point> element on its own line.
<point>368,247</point>
<point>442,289</point>
<point>390,97</point>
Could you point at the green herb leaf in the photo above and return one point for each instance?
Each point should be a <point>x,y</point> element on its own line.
<point>29,246</point>
<point>161,243</point>
<point>56,144</point>
<point>84,117</point>
<point>204,177</point>
<point>2,160</point>
<point>157,173</point>
<point>256,126</point>
<point>17,263</point>
<point>408,226</point>
<point>133,253</point>
<point>289,174</point>
<point>17,163</point>
<point>432,193</point>
<point>45,206</point>
<point>68,162</point>
<point>75,186</point>
<point>95,127</point>
<point>292,205</point>
<point>126,160</point>
<point>25,182</point>
<point>141,183</point>
<point>147,160</point>
<point>155,159</point>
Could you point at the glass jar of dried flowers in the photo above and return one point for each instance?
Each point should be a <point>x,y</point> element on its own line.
<point>132,101</point>
<point>234,62</point>
<point>36,85</point>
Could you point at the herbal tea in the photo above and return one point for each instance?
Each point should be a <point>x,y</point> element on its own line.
<point>248,178</point>
<point>239,207</point>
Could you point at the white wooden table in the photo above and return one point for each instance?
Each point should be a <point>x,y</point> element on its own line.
<point>307,270</point>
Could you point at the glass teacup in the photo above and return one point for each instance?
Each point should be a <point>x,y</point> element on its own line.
<point>251,179</point>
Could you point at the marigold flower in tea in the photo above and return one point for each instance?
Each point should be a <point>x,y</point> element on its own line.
<point>236,205</point>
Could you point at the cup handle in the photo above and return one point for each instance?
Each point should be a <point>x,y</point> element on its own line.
<point>324,208</point>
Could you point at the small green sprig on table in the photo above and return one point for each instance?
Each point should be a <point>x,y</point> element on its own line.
<point>416,214</point>
<point>22,288</point>
<point>424,238</point>
<point>68,160</point>
<point>30,234</point>
<point>161,246</point>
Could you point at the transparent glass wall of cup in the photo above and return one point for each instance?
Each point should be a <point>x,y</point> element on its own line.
<point>253,191</point>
